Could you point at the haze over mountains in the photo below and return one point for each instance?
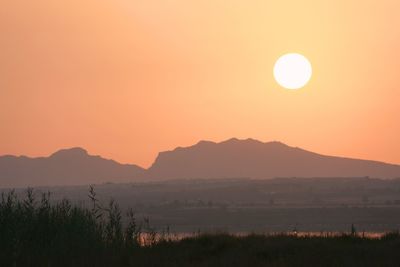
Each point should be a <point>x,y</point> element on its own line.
<point>229,159</point>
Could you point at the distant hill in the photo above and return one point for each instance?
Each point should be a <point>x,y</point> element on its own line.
<point>66,167</point>
<point>233,158</point>
<point>254,159</point>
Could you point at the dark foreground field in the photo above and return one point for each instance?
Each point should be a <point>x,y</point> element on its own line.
<point>256,250</point>
<point>226,250</point>
<point>39,233</point>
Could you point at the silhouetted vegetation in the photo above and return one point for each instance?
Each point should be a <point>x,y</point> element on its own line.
<point>38,232</point>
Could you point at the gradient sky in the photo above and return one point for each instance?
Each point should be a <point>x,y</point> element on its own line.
<point>126,79</point>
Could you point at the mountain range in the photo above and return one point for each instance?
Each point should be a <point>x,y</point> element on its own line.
<point>232,158</point>
<point>65,167</point>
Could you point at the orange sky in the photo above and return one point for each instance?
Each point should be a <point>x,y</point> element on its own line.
<point>126,79</point>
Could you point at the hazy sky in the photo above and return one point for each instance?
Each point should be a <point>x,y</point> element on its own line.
<point>127,79</point>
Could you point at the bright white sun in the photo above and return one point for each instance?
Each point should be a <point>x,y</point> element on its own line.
<point>292,71</point>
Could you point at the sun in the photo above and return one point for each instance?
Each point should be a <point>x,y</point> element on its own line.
<point>292,71</point>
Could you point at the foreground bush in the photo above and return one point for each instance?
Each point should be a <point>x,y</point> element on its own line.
<point>38,233</point>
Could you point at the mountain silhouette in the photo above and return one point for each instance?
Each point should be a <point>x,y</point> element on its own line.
<point>65,167</point>
<point>254,159</point>
<point>232,158</point>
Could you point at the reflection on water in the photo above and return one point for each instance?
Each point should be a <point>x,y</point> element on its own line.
<point>148,239</point>
<point>371,235</point>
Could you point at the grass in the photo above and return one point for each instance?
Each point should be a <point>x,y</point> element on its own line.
<point>39,233</point>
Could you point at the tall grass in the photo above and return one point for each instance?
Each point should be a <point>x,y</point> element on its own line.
<point>35,231</point>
